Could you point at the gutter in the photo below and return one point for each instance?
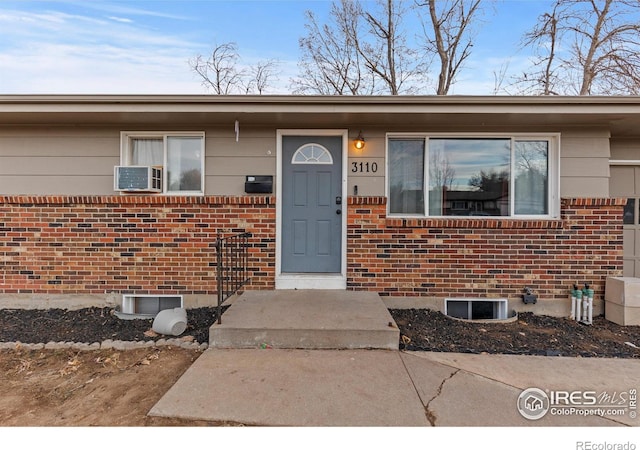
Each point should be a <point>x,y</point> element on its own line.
<point>347,104</point>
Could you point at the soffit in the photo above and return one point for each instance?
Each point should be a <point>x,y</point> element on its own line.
<point>620,115</point>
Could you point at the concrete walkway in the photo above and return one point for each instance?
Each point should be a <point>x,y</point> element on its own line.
<point>286,387</point>
<point>330,358</point>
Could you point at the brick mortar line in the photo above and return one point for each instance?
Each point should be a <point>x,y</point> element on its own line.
<point>126,200</point>
<point>235,200</point>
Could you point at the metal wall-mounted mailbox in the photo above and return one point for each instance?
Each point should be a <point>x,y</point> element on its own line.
<point>259,184</point>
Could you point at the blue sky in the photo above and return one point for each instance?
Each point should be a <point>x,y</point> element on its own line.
<point>143,47</point>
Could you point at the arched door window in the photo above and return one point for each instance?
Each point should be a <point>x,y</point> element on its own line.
<point>312,154</point>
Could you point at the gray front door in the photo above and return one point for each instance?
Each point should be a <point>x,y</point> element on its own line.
<point>311,204</point>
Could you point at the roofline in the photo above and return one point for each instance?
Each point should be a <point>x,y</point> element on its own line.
<point>320,99</point>
<point>296,104</point>
<point>618,114</point>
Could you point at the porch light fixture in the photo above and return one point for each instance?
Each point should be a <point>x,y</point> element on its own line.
<point>358,142</point>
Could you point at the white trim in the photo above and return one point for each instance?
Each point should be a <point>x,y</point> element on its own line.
<point>624,162</point>
<point>311,281</point>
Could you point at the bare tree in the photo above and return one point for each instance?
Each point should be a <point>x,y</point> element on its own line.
<point>606,45</point>
<point>223,74</point>
<point>499,77</point>
<point>261,75</point>
<point>330,63</point>
<point>586,47</point>
<point>219,71</point>
<point>449,35</point>
<point>544,39</point>
<point>387,54</point>
<point>441,172</point>
<point>360,51</point>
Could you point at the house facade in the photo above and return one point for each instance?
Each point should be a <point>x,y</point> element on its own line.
<point>450,197</point>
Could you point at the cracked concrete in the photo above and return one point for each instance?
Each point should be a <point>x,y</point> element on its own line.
<point>485,388</point>
<point>286,387</point>
<point>427,383</point>
<point>431,416</point>
<point>383,388</point>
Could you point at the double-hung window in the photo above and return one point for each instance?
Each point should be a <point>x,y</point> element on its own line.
<point>180,155</point>
<point>498,176</point>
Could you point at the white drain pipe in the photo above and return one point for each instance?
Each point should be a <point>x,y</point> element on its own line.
<point>587,315</point>
<point>578,313</point>
<point>573,302</point>
<point>582,304</point>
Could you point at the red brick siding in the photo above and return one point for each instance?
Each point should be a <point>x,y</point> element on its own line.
<point>161,244</point>
<point>138,244</point>
<point>484,257</point>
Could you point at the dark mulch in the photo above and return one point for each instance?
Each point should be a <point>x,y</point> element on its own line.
<point>92,325</point>
<point>530,335</point>
<point>421,329</point>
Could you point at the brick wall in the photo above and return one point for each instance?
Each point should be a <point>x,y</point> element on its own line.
<point>484,257</point>
<point>164,245</point>
<point>139,244</point>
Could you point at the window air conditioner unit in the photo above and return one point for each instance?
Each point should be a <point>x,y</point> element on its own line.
<point>137,179</point>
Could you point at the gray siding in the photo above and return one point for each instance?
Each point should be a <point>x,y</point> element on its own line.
<point>228,162</point>
<point>371,183</point>
<point>584,164</point>
<point>80,161</point>
<point>625,149</point>
<point>59,161</point>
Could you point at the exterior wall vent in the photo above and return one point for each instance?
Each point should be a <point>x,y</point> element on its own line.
<point>137,179</point>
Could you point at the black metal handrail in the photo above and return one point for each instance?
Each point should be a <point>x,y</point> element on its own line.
<point>231,266</point>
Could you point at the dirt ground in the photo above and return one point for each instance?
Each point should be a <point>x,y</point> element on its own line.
<point>90,388</point>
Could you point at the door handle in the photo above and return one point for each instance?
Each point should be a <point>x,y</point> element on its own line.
<point>338,211</point>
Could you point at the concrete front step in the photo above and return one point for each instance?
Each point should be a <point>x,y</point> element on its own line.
<point>306,319</point>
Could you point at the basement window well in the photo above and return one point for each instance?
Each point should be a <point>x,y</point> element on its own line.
<point>476,308</point>
<point>147,306</point>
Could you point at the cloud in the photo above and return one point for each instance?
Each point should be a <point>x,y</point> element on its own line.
<point>99,69</point>
<point>121,9</point>
<point>61,53</point>
<point>120,19</point>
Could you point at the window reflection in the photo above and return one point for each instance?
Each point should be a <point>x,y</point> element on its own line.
<point>629,212</point>
<point>469,177</point>
<point>406,176</point>
<point>531,177</point>
<point>184,163</point>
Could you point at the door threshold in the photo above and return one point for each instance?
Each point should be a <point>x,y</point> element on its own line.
<point>311,281</point>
